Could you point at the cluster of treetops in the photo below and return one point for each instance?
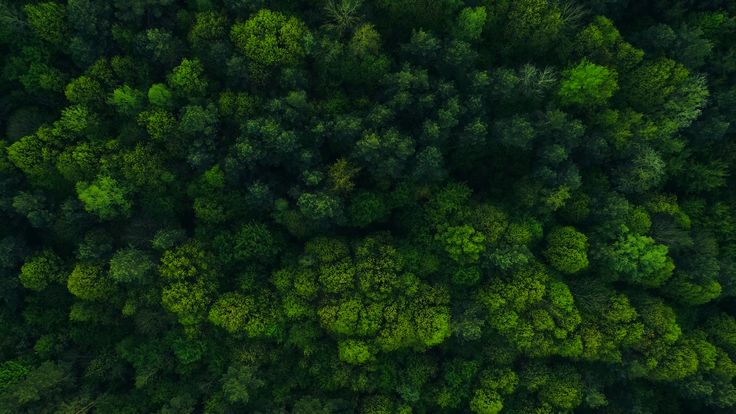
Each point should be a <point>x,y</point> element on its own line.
<point>374,207</point>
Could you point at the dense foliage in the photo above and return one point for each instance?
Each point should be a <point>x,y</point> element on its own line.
<point>379,206</point>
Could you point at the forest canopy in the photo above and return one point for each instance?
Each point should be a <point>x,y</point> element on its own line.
<point>367,206</point>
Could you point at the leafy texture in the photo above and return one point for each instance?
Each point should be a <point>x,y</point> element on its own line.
<point>367,206</point>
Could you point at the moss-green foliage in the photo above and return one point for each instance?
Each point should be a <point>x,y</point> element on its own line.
<point>130,265</point>
<point>104,197</point>
<point>159,95</point>
<point>48,21</point>
<point>88,281</point>
<point>251,315</point>
<point>367,206</point>
<point>640,259</point>
<point>186,79</point>
<point>567,250</point>
<point>271,38</point>
<point>41,270</point>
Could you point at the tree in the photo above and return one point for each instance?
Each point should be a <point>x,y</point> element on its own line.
<point>470,23</point>
<point>249,315</point>
<point>187,261</point>
<point>354,352</point>
<point>343,15</point>
<point>126,100</point>
<point>41,270</point>
<point>187,300</point>
<point>197,120</point>
<point>533,25</point>
<point>105,197</point>
<point>130,265</point>
<point>161,46</point>
<point>319,206</point>
<point>366,208</point>
<point>271,38</point>
<point>88,281</point>
<point>587,84</point>
<point>34,157</point>
<point>160,124</point>
<point>256,243</point>
<point>640,260</point>
<point>516,132</point>
<point>188,79</point>
<point>84,90</point>
<point>567,250</point>
<point>340,175</point>
<point>384,155</point>
<point>563,390</point>
<point>239,381</point>
<point>535,313</point>
<point>41,382</point>
<point>81,160</point>
<point>602,43</point>
<point>48,21</point>
<point>33,207</point>
<point>190,285</point>
<point>463,243</point>
<point>160,96</point>
<point>646,171</point>
<point>208,27</point>
<point>486,402</point>
<point>667,90</point>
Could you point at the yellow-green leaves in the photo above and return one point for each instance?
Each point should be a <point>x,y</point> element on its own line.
<point>463,243</point>
<point>105,197</point>
<point>48,21</point>
<point>188,79</point>
<point>640,260</point>
<point>254,316</point>
<point>271,38</point>
<point>190,286</point>
<point>587,84</point>
<point>567,250</point>
<point>41,270</point>
<point>354,352</point>
<point>88,281</point>
<point>470,23</point>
